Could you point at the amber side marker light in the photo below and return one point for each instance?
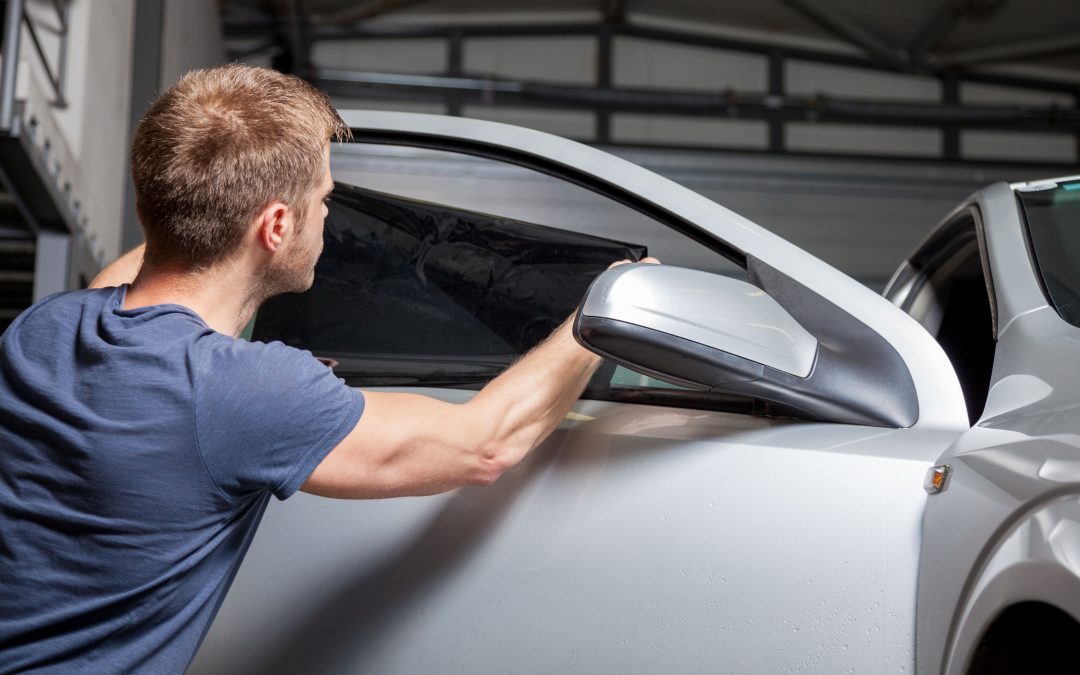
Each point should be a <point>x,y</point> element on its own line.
<point>937,478</point>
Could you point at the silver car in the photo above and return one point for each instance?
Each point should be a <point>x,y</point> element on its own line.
<point>777,470</point>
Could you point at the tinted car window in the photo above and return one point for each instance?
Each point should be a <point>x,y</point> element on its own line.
<point>1053,222</point>
<point>403,278</point>
<point>443,268</point>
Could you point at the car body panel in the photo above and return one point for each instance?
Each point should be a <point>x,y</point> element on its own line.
<point>636,539</point>
<point>1021,455</point>
<point>1005,529</point>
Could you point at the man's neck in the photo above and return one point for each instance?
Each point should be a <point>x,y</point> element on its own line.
<point>222,295</point>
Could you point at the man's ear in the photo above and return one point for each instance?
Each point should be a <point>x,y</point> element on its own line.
<point>273,226</point>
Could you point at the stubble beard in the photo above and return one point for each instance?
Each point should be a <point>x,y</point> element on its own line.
<point>293,275</point>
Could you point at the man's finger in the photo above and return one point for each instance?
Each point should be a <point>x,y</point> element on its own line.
<point>650,260</point>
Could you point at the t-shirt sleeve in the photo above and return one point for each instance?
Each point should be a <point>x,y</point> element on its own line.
<point>267,414</point>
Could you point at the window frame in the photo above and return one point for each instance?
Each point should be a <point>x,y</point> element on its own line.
<point>349,365</point>
<point>553,169</point>
<point>947,245</point>
<point>940,247</point>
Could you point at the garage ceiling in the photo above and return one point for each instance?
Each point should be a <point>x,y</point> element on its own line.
<point>918,35</point>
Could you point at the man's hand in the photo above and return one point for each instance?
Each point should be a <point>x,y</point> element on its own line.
<point>650,260</point>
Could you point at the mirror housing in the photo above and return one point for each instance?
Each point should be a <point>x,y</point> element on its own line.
<point>774,340</point>
<point>691,328</point>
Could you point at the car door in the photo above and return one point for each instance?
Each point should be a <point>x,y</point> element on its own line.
<point>658,529</point>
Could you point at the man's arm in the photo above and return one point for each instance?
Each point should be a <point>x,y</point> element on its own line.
<point>407,444</point>
<point>122,270</point>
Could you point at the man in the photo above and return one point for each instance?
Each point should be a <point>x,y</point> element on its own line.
<point>140,441</point>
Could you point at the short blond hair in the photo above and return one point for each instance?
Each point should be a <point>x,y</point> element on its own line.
<point>219,146</point>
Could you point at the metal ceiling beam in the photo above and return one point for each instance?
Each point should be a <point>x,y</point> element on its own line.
<point>248,29</point>
<point>777,128</point>
<point>455,67</point>
<point>851,32</point>
<point>614,11</point>
<point>267,28</point>
<point>936,30</point>
<point>245,29</point>
<point>727,103</point>
<point>299,45</point>
<point>363,12</point>
<point>233,9</point>
<point>1017,51</point>
<point>950,134</point>
<point>949,15</point>
<point>605,74</point>
<point>15,233</point>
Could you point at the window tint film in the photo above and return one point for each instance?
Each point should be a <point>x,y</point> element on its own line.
<point>1053,221</point>
<point>489,186</point>
<point>399,276</point>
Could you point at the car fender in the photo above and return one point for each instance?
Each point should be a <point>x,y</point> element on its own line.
<point>1036,558</point>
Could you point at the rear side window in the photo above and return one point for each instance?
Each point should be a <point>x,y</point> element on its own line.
<point>1053,223</point>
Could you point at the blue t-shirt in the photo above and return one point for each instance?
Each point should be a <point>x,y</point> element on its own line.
<point>138,451</point>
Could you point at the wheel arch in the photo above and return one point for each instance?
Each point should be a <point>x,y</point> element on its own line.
<point>1032,573</point>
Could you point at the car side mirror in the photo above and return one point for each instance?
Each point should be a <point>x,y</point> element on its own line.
<point>691,328</point>
<point>706,331</point>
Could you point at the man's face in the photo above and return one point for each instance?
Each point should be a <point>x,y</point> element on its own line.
<point>296,271</point>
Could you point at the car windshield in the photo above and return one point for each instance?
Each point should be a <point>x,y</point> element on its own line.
<point>1053,222</point>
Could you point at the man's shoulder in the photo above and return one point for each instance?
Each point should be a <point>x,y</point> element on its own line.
<point>56,315</point>
<point>225,348</point>
<point>234,362</point>
<point>79,298</point>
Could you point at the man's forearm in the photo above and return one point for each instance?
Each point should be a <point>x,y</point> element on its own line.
<point>122,270</point>
<point>409,444</point>
<point>533,396</point>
